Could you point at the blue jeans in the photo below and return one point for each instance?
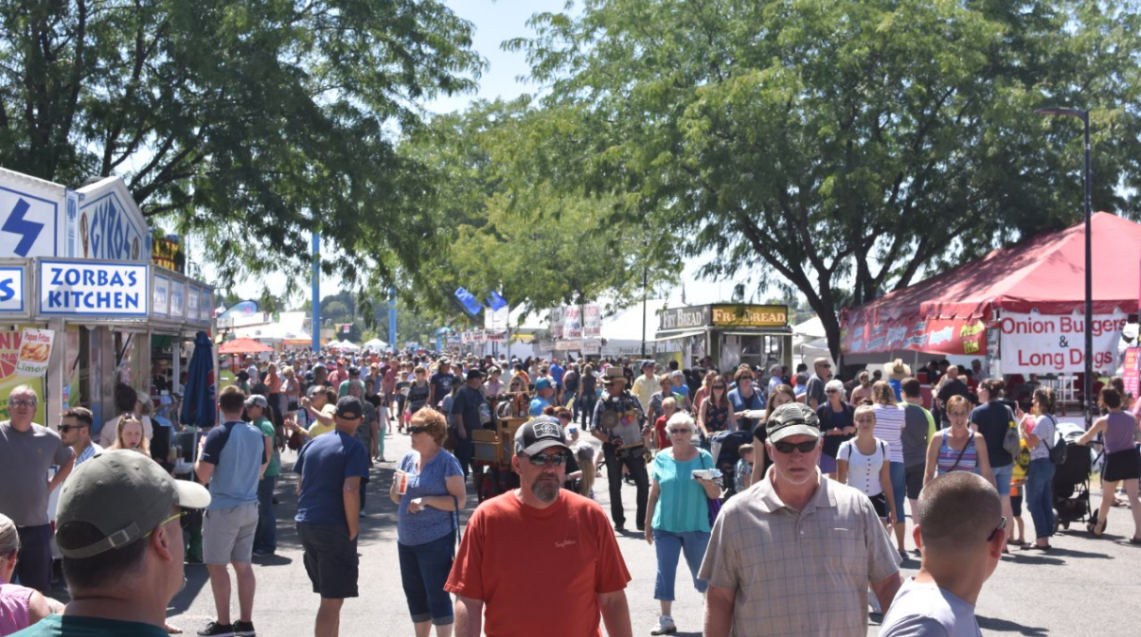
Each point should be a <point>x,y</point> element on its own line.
<point>424,570</point>
<point>1039,496</point>
<point>669,546</point>
<point>1002,477</point>
<point>898,474</point>
<point>587,408</point>
<point>265,537</point>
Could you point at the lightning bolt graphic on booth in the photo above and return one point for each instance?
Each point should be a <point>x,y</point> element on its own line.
<point>17,224</point>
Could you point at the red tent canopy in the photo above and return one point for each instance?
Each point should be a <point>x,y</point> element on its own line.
<point>243,346</point>
<point>1044,274</point>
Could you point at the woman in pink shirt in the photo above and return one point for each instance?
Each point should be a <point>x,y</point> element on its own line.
<point>20,606</point>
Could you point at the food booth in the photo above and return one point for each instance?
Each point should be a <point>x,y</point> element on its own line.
<point>730,333</point>
<point>78,263</point>
<point>1021,309</point>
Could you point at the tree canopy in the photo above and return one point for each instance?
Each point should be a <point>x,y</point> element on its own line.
<point>248,124</point>
<point>847,147</point>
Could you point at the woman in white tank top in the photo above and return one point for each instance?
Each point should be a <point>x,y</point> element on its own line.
<point>864,464</point>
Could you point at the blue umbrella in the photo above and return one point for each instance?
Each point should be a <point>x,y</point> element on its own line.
<point>198,403</point>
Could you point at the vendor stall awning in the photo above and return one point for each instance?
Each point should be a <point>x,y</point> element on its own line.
<point>1046,273</point>
<point>671,337</point>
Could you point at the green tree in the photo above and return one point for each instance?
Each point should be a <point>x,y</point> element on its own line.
<point>248,124</point>
<point>502,226</point>
<point>845,147</point>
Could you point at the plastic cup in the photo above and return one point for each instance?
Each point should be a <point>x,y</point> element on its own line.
<point>401,482</point>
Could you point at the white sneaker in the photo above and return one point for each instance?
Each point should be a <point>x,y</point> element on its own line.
<point>665,626</point>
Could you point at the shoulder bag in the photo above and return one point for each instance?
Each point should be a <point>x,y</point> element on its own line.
<point>1058,451</point>
<point>1012,440</point>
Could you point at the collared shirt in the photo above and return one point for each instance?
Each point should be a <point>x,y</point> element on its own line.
<point>801,573</point>
<point>87,454</point>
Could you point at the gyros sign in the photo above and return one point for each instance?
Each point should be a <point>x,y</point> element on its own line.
<point>1044,343</point>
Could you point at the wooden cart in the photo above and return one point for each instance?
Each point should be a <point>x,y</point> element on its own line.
<point>491,463</point>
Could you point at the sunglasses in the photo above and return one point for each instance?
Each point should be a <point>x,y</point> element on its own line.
<point>184,521</point>
<point>542,459</point>
<point>1001,526</point>
<point>787,447</point>
<point>66,428</point>
<point>22,403</point>
<point>718,387</point>
<point>680,430</point>
<point>417,430</point>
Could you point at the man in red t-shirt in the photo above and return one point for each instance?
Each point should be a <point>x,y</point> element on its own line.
<point>539,526</point>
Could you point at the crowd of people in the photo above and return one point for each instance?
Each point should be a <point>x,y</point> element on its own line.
<point>820,471</point>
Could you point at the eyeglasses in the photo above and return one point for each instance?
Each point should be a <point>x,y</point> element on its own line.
<point>21,403</point>
<point>417,430</point>
<point>1001,526</point>
<point>184,522</point>
<point>541,459</point>
<point>825,366</point>
<point>803,447</point>
<point>66,428</point>
<point>680,430</point>
<point>829,391</point>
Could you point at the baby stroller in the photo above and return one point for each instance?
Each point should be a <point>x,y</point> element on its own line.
<point>725,449</point>
<point>1071,480</point>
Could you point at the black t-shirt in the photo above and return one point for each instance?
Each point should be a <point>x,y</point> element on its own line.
<point>570,381</point>
<point>443,384</point>
<point>418,396</point>
<point>955,387</point>
<point>830,420</point>
<point>993,419</point>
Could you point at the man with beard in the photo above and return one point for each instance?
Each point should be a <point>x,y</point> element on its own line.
<point>794,554</point>
<point>566,533</point>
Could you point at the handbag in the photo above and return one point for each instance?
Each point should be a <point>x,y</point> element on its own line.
<point>712,505</point>
<point>1012,441</point>
<point>1058,451</point>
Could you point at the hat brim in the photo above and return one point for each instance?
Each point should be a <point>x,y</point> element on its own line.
<point>543,445</point>
<point>191,495</point>
<point>794,430</point>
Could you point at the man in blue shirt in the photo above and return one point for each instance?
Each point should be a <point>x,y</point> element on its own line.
<point>328,511</point>
<point>557,372</point>
<point>744,398</point>
<point>231,463</point>
<point>543,392</point>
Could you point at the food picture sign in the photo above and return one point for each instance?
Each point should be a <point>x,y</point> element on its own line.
<point>11,342</point>
<point>35,350</point>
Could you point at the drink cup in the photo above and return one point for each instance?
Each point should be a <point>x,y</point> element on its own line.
<point>401,482</point>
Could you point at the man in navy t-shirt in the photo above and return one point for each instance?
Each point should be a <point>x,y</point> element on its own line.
<point>328,511</point>
<point>441,383</point>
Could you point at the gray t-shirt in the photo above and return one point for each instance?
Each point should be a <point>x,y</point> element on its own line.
<point>917,423</point>
<point>925,610</point>
<point>25,458</point>
<point>815,389</point>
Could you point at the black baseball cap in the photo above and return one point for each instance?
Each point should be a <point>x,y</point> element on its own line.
<point>541,433</point>
<point>792,419</point>
<point>474,374</point>
<point>349,408</point>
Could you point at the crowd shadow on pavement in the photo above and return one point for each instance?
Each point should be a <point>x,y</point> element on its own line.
<point>1002,625</point>
<point>197,578</point>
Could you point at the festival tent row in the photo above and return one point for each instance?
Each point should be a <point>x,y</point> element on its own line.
<point>1021,307</point>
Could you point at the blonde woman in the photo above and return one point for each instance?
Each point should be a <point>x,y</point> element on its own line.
<point>889,428</point>
<point>129,435</point>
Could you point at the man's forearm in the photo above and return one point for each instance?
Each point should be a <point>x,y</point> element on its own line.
<point>352,510</point>
<point>616,614</point>
<point>469,617</point>
<point>718,612</point>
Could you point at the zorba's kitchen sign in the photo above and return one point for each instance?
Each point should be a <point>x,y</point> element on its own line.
<point>85,288</point>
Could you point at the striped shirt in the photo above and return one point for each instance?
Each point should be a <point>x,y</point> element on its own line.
<point>948,456</point>
<point>889,428</point>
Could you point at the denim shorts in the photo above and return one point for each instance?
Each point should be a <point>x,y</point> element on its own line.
<point>1002,476</point>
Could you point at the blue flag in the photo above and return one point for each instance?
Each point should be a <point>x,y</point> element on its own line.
<point>471,304</point>
<point>496,302</point>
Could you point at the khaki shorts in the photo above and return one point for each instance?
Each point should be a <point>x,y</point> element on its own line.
<point>228,534</point>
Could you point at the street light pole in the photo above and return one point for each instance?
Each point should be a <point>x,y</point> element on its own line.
<point>1087,390</point>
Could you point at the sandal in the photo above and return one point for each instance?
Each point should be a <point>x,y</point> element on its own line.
<point>1135,540</point>
<point>1097,527</point>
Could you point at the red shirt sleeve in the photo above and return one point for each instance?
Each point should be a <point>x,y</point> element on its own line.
<point>466,578</point>
<point>612,574</point>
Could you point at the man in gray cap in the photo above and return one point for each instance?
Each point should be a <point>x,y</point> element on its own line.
<point>118,529</point>
<point>565,532</point>
<point>794,554</point>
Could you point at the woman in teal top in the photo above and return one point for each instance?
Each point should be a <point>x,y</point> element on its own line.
<point>677,511</point>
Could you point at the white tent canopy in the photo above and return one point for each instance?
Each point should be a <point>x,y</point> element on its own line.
<point>346,346</point>
<point>376,343</point>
